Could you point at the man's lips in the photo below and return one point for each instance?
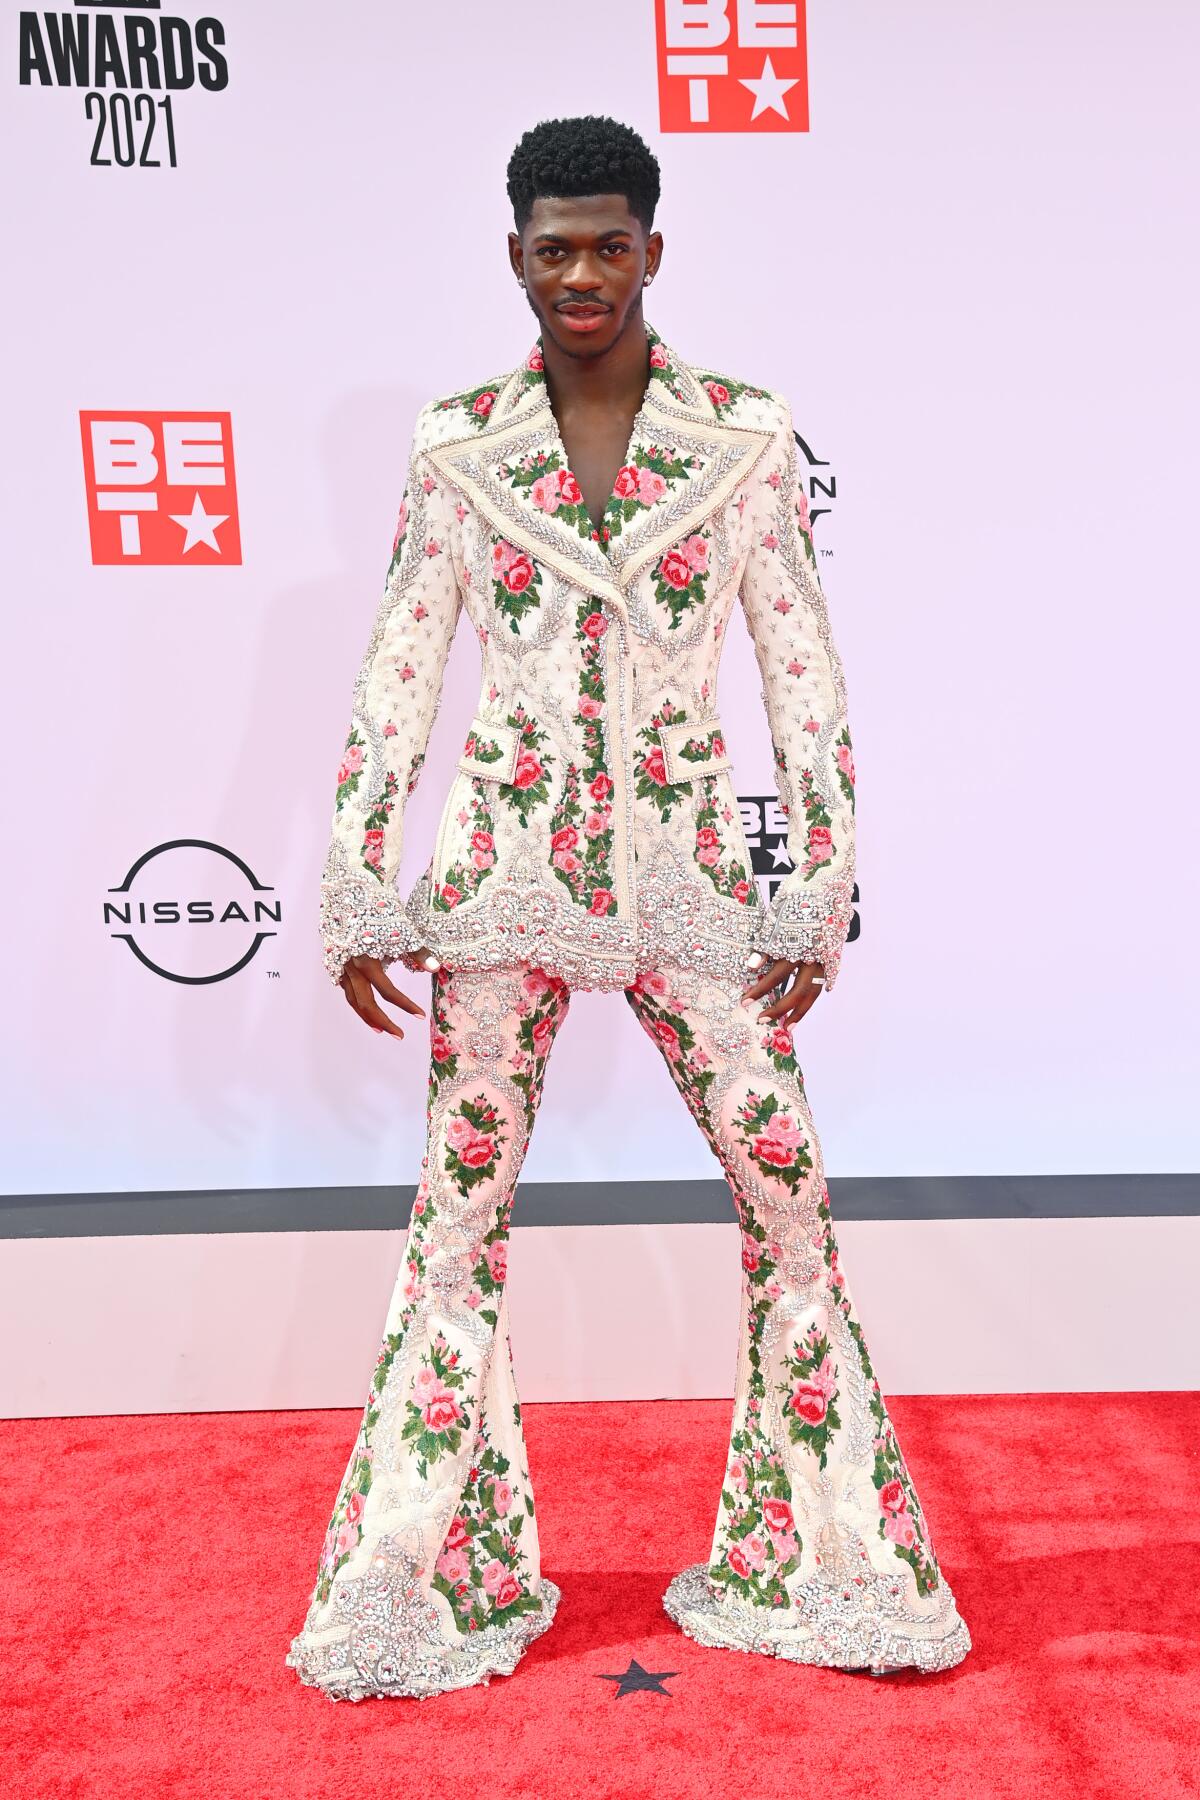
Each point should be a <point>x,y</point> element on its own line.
<point>583,317</point>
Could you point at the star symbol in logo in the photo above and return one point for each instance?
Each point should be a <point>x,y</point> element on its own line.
<point>200,526</point>
<point>637,1680</point>
<point>768,90</point>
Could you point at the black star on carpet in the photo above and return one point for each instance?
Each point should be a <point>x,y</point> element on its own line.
<point>638,1680</point>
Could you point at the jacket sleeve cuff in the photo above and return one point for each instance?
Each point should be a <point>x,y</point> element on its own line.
<point>807,927</point>
<point>361,919</point>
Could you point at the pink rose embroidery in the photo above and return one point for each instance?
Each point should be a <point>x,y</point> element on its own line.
<point>508,1591</point>
<point>675,569</point>
<point>825,1377</point>
<point>545,493</point>
<point>808,1403</point>
<point>655,767</point>
<point>755,1551</point>
<point>650,486</point>
<point>899,1528</point>
<point>708,846</point>
<point>493,1574</point>
<point>777,1515</point>
<point>528,769</point>
<point>518,575</point>
<point>442,1412</point>
<point>502,1496</point>
<point>736,1557</point>
<point>695,549</point>
<point>453,1565</point>
<point>497,1261</point>
<point>770,1150</point>
<point>457,1538</point>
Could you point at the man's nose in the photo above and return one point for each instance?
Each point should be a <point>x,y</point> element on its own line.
<point>584,274</point>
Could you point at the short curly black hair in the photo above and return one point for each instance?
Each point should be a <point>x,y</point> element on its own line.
<point>568,158</point>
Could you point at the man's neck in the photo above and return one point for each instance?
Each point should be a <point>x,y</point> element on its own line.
<point>615,381</point>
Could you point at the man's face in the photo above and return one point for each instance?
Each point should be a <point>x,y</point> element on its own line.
<point>583,261</point>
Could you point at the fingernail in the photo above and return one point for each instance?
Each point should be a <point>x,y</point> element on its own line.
<point>432,962</point>
<point>377,1028</point>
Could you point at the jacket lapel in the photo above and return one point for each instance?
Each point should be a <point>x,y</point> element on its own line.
<point>682,463</point>
<point>678,434</point>
<point>512,470</point>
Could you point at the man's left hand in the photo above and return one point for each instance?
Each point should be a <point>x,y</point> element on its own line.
<point>796,999</point>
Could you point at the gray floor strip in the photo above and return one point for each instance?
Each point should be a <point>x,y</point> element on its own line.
<point>595,1203</point>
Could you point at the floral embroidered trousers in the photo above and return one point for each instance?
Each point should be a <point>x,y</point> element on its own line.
<point>430,1573</point>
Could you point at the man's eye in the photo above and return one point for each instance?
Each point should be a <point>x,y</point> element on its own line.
<point>620,247</point>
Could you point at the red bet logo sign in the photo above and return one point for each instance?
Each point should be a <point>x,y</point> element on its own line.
<point>161,487</point>
<point>732,65</point>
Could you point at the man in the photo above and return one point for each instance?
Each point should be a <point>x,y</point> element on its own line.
<point>598,510</point>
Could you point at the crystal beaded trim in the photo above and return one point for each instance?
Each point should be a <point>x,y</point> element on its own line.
<point>524,920</point>
<point>362,918</point>
<point>808,927</point>
<point>826,1624</point>
<point>388,1641</point>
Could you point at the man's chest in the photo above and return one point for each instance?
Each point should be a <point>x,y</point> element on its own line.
<point>596,451</point>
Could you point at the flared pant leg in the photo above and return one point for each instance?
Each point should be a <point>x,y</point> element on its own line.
<point>821,1552</point>
<point>430,1576</point>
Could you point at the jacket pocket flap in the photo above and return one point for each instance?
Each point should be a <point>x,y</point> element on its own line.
<point>490,750</point>
<point>690,750</point>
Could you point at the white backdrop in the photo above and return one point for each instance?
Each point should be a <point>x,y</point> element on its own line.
<point>974,279</point>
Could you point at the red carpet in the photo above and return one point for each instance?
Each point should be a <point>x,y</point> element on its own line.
<point>158,1568</point>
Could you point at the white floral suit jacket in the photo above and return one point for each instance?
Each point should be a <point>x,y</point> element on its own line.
<point>592,825</point>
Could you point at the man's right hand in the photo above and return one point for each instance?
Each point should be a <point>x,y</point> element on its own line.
<point>360,975</point>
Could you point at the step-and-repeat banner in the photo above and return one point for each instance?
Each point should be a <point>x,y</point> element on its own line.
<point>247,245</point>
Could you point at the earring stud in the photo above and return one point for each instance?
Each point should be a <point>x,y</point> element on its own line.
<point>646,280</point>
